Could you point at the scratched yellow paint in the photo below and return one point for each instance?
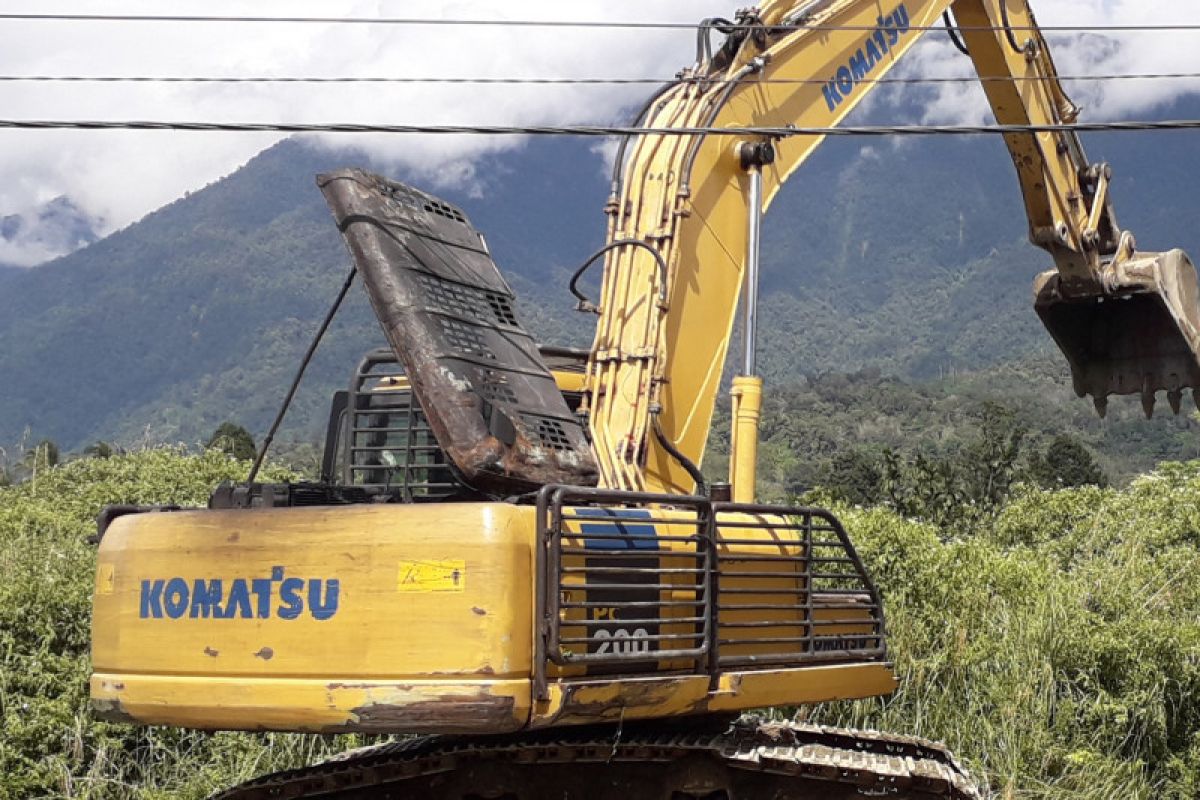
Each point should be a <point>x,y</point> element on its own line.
<point>446,575</point>
<point>105,578</point>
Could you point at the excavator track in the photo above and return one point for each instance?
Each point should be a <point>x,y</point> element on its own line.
<point>748,759</point>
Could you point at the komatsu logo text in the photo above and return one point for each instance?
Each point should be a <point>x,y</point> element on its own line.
<point>864,61</point>
<point>240,598</point>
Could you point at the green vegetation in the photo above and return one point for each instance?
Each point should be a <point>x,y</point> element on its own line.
<point>233,440</point>
<point>814,431</point>
<point>50,746</point>
<point>1056,646</point>
<point>1054,642</point>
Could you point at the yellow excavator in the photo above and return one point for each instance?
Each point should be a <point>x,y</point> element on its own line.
<point>511,549</point>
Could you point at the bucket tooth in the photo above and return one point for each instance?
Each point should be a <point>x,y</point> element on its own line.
<point>1148,401</point>
<point>1101,404</point>
<point>1175,398</point>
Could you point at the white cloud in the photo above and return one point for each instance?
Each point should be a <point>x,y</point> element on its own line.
<point>1074,53</point>
<point>116,177</point>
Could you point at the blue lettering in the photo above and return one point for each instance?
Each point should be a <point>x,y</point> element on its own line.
<point>323,610</point>
<point>859,67</point>
<point>875,46</point>
<point>262,594</point>
<point>175,598</point>
<point>291,603</point>
<point>889,25</point>
<point>873,54</point>
<point>151,605</point>
<point>247,598</point>
<point>206,599</point>
<point>881,41</point>
<point>845,80</point>
<point>239,600</point>
<point>833,97</point>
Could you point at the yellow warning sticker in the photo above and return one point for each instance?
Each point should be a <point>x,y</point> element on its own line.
<point>105,579</point>
<point>449,575</point>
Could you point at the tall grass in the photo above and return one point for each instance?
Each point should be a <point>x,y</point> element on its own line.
<point>1055,648</point>
<point>50,746</point>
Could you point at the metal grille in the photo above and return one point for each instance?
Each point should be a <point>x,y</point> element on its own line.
<point>633,583</point>
<point>390,446</point>
<point>550,432</point>
<point>792,589</point>
<point>444,210</point>
<point>467,301</point>
<point>624,587</point>
<point>466,338</point>
<point>497,390</point>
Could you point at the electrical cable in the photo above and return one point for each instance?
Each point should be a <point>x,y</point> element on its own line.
<point>594,130</point>
<point>536,23</point>
<point>518,81</point>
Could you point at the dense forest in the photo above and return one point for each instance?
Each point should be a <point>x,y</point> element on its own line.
<point>1048,636</point>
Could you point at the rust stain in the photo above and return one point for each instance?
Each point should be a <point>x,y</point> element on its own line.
<point>451,713</point>
<point>265,654</point>
<point>111,711</point>
<point>208,651</point>
<point>623,696</point>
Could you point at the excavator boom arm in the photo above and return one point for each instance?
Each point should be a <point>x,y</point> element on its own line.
<point>678,214</point>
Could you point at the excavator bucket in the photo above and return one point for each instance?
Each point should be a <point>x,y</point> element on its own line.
<point>1141,337</point>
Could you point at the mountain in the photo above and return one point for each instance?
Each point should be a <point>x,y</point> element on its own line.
<point>909,256</point>
<point>56,226</point>
<point>200,311</point>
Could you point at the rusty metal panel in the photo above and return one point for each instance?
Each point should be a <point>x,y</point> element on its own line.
<point>449,315</point>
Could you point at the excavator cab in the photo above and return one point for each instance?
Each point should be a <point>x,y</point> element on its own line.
<point>1141,336</point>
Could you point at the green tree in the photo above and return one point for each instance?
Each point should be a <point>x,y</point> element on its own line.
<point>43,456</point>
<point>965,486</point>
<point>1066,463</point>
<point>927,488</point>
<point>855,477</point>
<point>990,461</point>
<point>100,450</point>
<point>233,439</point>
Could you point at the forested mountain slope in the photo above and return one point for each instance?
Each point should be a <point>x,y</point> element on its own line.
<point>904,255</point>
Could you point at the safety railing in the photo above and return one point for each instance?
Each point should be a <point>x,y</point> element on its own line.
<point>635,583</point>
<point>793,589</point>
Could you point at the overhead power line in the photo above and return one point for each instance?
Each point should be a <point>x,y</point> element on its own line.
<point>518,81</point>
<point>538,23</point>
<point>593,130</point>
